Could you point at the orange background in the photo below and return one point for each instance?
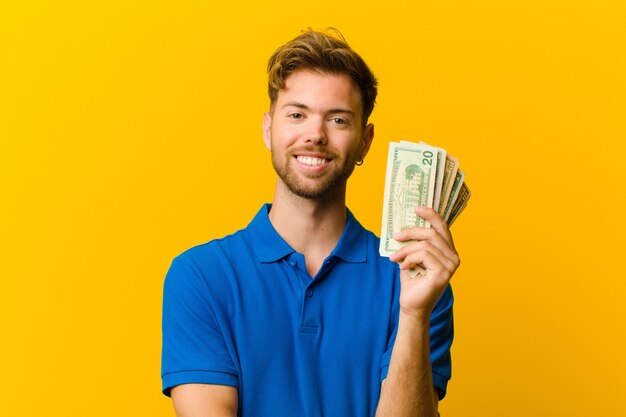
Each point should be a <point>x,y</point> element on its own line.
<point>131,130</point>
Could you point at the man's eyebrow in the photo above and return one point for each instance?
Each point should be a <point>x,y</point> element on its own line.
<point>340,110</point>
<point>294,104</point>
<point>305,107</point>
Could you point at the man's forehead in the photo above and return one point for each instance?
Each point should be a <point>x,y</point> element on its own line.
<point>309,87</point>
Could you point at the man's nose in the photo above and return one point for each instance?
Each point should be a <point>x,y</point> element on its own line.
<point>316,132</point>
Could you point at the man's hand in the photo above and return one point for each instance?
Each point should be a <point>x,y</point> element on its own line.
<point>433,250</point>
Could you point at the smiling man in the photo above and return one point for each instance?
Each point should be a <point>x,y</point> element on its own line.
<point>298,314</point>
<point>328,111</point>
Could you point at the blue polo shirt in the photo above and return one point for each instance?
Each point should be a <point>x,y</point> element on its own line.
<point>243,311</point>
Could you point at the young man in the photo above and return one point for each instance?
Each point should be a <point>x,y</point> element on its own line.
<point>298,314</point>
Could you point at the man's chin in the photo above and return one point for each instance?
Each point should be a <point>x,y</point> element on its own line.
<point>322,186</point>
<point>312,194</point>
<point>317,192</point>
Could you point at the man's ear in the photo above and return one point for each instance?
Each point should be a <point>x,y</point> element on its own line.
<point>267,130</point>
<point>368,137</point>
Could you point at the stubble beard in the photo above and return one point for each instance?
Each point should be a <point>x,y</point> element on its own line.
<point>326,187</point>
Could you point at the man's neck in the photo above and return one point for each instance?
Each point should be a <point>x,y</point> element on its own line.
<point>311,227</point>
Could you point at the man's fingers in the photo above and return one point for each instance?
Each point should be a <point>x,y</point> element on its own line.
<point>437,247</point>
<point>421,234</point>
<point>434,243</point>
<point>436,222</point>
<point>447,258</point>
<point>425,259</point>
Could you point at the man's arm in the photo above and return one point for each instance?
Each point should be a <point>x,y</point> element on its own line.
<point>197,369</point>
<point>408,389</point>
<point>204,400</point>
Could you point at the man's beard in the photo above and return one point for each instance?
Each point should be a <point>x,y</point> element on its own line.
<point>324,188</point>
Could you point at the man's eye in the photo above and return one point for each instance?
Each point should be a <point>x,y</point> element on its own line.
<point>295,115</point>
<point>338,120</point>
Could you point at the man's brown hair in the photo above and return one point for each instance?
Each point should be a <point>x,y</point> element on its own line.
<point>325,53</point>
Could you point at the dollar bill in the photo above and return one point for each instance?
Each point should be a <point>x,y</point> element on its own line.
<point>409,182</point>
<point>460,204</point>
<point>441,170</point>
<point>451,168</point>
<point>439,173</point>
<point>456,187</point>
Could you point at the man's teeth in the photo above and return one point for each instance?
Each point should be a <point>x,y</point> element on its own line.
<point>309,160</point>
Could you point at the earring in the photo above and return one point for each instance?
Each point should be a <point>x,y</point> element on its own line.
<point>359,162</point>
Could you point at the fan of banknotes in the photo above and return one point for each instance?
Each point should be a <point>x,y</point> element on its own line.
<point>424,175</point>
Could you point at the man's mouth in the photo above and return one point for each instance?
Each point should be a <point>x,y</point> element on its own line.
<point>311,160</point>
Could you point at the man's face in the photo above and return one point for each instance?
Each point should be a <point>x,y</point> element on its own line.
<point>315,133</point>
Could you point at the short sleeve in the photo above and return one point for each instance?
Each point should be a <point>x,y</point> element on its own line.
<point>194,349</point>
<point>441,335</point>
